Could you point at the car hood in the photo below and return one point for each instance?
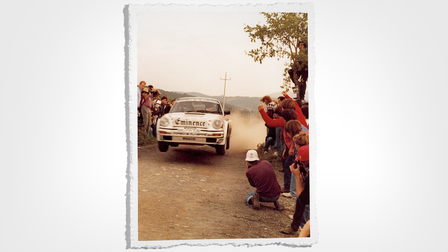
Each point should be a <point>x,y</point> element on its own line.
<point>196,116</point>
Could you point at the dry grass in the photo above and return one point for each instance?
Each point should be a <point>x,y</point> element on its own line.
<point>145,139</point>
<point>276,161</point>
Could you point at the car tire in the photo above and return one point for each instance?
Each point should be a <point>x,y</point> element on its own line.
<point>220,149</point>
<point>154,128</point>
<point>163,147</point>
<point>227,143</point>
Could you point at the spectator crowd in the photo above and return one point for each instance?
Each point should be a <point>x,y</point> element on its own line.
<point>287,135</point>
<point>150,107</point>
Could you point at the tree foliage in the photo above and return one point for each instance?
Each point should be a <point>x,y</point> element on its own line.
<point>279,39</point>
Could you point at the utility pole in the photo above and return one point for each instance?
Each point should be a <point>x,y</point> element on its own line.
<point>250,115</point>
<point>224,99</point>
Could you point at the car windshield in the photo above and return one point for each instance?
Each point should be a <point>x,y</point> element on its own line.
<point>196,106</point>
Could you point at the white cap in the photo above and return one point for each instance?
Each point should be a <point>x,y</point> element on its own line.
<point>252,155</point>
<point>272,106</point>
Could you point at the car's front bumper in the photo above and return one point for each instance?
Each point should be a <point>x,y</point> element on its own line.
<point>191,136</point>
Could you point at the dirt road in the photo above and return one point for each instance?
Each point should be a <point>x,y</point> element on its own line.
<point>190,192</point>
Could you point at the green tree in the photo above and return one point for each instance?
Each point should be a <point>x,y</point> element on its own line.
<point>280,38</point>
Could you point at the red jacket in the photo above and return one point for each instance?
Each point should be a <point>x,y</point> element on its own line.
<point>281,122</point>
<point>299,113</point>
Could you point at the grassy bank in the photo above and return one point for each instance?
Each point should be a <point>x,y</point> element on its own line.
<point>275,160</point>
<point>145,139</point>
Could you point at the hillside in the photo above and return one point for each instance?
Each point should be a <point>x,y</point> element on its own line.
<point>232,103</point>
<point>241,103</point>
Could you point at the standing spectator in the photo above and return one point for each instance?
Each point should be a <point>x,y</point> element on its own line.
<point>147,106</point>
<point>155,93</point>
<point>172,102</point>
<point>288,153</point>
<point>270,131</point>
<point>292,128</point>
<point>300,140</point>
<point>270,105</point>
<point>278,133</point>
<point>302,64</point>
<point>303,52</point>
<point>279,100</point>
<point>290,102</point>
<point>155,100</point>
<point>261,175</point>
<point>140,88</point>
<point>164,107</point>
<point>303,190</point>
<point>155,106</point>
<point>278,130</point>
<point>304,109</point>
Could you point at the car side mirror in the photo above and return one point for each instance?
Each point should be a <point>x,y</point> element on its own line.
<point>227,112</point>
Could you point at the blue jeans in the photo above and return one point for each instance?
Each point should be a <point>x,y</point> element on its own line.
<point>287,172</point>
<point>306,216</point>
<point>269,142</point>
<point>301,213</point>
<point>262,198</point>
<point>278,138</point>
<point>292,186</point>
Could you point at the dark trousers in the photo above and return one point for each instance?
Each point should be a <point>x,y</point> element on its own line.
<point>302,84</point>
<point>302,201</point>
<point>269,141</point>
<point>287,172</point>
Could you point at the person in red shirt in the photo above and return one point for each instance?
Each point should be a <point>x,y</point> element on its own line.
<point>301,172</point>
<point>288,154</point>
<point>288,103</point>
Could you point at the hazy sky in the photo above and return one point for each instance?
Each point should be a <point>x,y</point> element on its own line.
<point>188,51</point>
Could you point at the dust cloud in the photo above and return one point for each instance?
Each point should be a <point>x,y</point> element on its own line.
<point>247,131</point>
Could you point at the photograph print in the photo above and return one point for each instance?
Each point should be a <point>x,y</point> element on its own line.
<point>220,102</point>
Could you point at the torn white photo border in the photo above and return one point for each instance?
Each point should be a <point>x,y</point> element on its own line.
<point>131,81</point>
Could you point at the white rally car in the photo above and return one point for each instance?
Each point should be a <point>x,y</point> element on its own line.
<point>195,121</point>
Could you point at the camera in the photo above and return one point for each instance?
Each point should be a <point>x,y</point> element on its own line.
<point>301,167</point>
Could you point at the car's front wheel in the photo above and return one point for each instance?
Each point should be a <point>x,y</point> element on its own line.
<point>220,149</point>
<point>163,147</point>
<point>229,130</point>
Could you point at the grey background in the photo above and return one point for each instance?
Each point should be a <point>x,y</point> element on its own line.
<point>380,102</point>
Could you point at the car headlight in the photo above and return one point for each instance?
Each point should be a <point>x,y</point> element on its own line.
<point>164,121</point>
<point>217,124</point>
